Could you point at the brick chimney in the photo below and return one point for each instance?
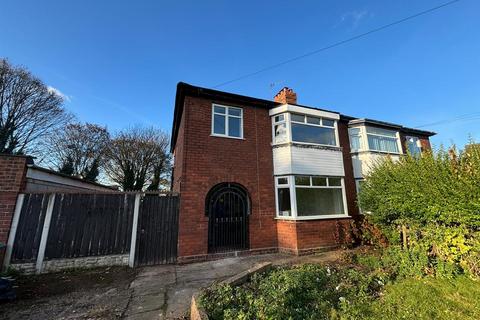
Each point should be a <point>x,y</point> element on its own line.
<point>286,95</point>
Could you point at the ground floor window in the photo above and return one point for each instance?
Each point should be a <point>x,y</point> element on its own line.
<point>310,196</point>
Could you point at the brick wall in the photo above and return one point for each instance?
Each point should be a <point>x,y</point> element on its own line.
<point>287,236</point>
<point>315,234</point>
<point>12,181</point>
<point>307,236</point>
<point>350,186</point>
<point>204,161</point>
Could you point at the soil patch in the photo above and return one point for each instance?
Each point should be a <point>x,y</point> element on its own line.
<point>100,293</point>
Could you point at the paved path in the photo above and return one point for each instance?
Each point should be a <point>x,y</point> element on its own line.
<point>164,292</point>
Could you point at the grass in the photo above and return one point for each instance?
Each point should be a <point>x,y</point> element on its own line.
<point>427,298</point>
<point>358,290</point>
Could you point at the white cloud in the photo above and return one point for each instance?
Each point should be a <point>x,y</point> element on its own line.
<point>59,93</point>
<point>353,18</point>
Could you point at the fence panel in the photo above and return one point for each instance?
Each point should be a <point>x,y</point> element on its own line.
<point>29,230</point>
<point>157,230</point>
<point>90,225</point>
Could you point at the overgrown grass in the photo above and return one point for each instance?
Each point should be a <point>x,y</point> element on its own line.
<point>362,290</point>
<point>428,298</point>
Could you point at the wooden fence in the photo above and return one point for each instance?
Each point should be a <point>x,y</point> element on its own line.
<point>48,227</point>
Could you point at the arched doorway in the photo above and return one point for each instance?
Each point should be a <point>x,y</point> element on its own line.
<point>227,206</point>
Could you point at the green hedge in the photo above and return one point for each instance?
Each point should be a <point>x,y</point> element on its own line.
<point>429,209</point>
<point>441,187</point>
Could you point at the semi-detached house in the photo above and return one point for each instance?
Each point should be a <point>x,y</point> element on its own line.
<point>264,176</point>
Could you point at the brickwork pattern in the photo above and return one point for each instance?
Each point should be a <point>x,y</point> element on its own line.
<point>12,181</point>
<point>204,161</point>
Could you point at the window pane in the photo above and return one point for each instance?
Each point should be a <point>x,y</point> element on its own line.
<point>385,144</point>
<point>319,181</point>
<point>302,180</point>
<point>383,132</point>
<point>280,133</point>
<point>235,112</point>
<point>323,201</point>
<point>310,134</point>
<point>359,185</point>
<point>219,124</point>
<point>412,146</point>
<point>298,118</point>
<point>334,182</point>
<point>355,143</point>
<point>282,180</point>
<point>313,120</point>
<point>234,127</point>
<point>279,118</point>
<point>219,109</point>
<point>284,208</point>
<point>328,122</point>
<point>354,131</point>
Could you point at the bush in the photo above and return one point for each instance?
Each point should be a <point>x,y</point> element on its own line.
<point>430,206</point>
<point>442,187</point>
<point>303,292</point>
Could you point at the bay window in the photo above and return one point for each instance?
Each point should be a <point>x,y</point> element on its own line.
<point>315,130</point>
<point>310,197</point>
<point>382,140</point>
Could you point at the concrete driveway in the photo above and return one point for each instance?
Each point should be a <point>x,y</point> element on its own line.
<point>164,292</point>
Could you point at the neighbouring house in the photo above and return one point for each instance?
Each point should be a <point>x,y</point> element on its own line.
<point>264,176</point>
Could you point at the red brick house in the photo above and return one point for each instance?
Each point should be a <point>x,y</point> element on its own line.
<point>263,176</point>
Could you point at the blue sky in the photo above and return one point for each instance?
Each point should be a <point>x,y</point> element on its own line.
<point>118,62</point>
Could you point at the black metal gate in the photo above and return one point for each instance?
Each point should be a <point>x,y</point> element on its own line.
<point>157,232</point>
<point>228,208</point>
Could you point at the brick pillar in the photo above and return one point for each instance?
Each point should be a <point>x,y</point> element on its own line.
<point>13,170</point>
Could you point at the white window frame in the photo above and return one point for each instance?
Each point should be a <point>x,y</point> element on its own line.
<point>397,137</point>
<point>284,186</point>
<point>360,138</point>
<point>293,197</point>
<point>365,146</point>
<point>288,121</point>
<point>226,115</point>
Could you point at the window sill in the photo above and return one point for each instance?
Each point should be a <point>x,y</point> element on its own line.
<point>375,151</point>
<point>306,145</point>
<point>336,216</point>
<point>228,137</point>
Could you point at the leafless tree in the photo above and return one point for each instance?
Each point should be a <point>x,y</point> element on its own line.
<point>78,150</point>
<point>29,110</point>
<point>138,157</point>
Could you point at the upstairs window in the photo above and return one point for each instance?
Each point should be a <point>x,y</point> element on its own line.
<point>413,146</point>
<point>227,121</point>
<point>355,139</point>
<point>382,140</point>
<point>280,129</point>
<point>315,130</point>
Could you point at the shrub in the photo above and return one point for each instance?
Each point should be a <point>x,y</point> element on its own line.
<point>429,205</point>
<point>442,187</point>
<point>302,292</point>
